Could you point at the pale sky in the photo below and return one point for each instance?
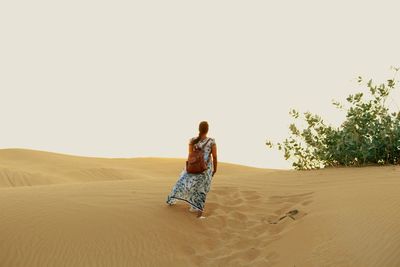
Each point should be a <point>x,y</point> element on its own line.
<point>134,78</point>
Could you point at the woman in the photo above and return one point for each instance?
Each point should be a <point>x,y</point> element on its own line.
<point>193,188</point>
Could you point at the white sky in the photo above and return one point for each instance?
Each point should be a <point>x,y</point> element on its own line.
<point>134,78</point>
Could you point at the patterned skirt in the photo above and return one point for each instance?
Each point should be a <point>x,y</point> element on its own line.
<point>192,188</point>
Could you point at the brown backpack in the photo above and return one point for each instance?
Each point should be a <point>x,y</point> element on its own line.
<point>196,162</point>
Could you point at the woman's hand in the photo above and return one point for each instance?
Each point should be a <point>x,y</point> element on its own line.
<point>214,156</point>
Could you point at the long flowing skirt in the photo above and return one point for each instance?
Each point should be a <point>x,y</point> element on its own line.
<point>192,188</point>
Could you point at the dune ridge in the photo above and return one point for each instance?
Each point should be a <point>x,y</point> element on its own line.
<point>63,210</point>
<point>23,167</point>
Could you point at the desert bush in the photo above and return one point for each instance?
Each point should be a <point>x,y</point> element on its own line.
<point>369,135</point>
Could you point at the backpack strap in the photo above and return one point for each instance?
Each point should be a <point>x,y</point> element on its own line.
<point>205,143</point>
<point>209,156</point>
<point>197,147</point>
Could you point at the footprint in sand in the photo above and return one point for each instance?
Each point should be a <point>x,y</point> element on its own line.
<point>290,208</point>
<point>249,234</point>
<point>241,217</point>
<point>290,214</point>
<point>295,198</point>
<point>251,195</point>
<point>305,203</point>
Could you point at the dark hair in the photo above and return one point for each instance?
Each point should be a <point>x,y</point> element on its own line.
<point>203,129</point>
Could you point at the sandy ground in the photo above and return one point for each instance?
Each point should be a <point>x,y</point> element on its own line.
<point>61,210</point>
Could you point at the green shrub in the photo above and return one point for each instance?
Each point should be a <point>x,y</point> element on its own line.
<point>369,135</point>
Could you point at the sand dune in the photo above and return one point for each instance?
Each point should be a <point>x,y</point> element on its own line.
<point>60,210</point>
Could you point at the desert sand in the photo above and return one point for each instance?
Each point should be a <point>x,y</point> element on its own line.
<point>62,210</point>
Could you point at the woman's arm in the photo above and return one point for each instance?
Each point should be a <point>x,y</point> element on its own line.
<point>214,155</point>
<point>190,148</point>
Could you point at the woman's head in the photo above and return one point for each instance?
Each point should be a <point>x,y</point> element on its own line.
<point>203,127</point>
